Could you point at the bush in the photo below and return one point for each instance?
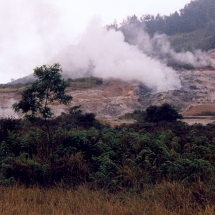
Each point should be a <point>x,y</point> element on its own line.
<point>162,113</point>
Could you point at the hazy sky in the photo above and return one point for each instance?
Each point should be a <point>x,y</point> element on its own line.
<point>34,31</point>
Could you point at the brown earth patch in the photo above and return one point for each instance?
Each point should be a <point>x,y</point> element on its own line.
<point>200,110</point>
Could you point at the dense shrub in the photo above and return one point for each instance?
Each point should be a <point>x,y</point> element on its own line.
<point>164,112</point>
<point>114,158</point>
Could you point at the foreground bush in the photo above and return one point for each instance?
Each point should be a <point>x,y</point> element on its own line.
<point>121,158</point>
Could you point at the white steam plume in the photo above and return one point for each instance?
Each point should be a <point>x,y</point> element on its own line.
<point>197,59</point>
<point>105,54</point>
<point>160,48</point>
<point>32,32</point>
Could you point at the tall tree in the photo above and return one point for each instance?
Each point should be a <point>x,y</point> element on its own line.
<point>48,88</point>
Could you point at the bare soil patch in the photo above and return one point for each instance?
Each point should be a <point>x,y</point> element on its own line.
<point>200,110</point>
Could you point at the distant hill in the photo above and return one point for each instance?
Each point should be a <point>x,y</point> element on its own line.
<point>203,39</point>
<point>24,80</point>
<point>192,28</point>
<point>69,70</point>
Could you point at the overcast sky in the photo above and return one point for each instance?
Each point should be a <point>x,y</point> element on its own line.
<point>34,31</point>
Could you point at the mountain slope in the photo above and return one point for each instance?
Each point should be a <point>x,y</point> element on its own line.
<point>192,28</point>
<point>111,98</point>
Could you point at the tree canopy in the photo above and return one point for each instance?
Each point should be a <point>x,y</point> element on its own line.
<point>48,88</point>
<point>164,112</point>
<point>195,15</point>
<point>192,27</point>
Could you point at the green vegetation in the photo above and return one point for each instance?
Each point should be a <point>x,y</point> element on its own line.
<point>203,39</point>
<point>47,89</point>
<point>196,15</point>
<point>157,161</point>
<point>85,151</point>
<point>78,83</point>
<point>163,113</point>
<point>87,82</point>
<point>9,88</point>
<point>153,113</point>
<point>193,27</point>
<point>146,162</point>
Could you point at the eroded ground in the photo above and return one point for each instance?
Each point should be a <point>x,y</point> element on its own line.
<point>113,98</point>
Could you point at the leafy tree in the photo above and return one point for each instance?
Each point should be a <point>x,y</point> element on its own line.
<point>48,88</point>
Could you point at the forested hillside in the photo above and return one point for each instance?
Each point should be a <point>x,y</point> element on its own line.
<point>194,16</point>
<point>191,28</point>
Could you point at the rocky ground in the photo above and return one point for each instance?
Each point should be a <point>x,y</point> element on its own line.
<point>114,98</point>
<point>197,89</point>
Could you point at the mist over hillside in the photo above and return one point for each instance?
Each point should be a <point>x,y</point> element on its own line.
<point>137,50</point>
<point>193,27</point>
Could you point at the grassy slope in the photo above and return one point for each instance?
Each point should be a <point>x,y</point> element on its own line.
<point>84,83</point>
<point>5,88</point>
<point>80,83</point>
<point>203,39</point>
